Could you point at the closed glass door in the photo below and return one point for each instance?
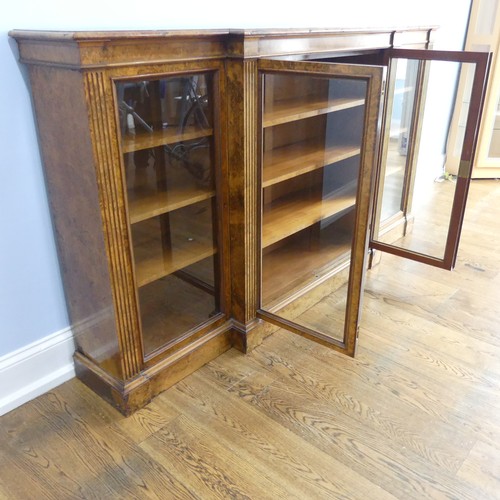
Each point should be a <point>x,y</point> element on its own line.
<point>319,125</point>
<point>167,135</point>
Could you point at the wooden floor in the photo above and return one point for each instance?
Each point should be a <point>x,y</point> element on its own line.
<point>416,415</point>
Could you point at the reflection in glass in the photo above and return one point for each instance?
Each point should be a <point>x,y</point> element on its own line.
<point>312,134</point>
<point>432,192</point>
<point>167,142</point>
<point>398,133</point>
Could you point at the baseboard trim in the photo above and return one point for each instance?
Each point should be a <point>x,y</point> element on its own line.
<point>36,369</point>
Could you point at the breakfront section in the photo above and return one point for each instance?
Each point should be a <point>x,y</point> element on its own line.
<point>305,169</point>
<point>132,137</point>
<point>349,165</point>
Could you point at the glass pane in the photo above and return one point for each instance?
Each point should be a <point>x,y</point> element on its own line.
<point>312,135</point>
<point>429,191</point>
<point>166,128</point>
<point>432,190</point>
<point>397,136</point>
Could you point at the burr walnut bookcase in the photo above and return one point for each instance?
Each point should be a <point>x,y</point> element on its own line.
<point>208,187</point>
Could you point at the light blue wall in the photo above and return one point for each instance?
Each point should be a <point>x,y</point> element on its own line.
<point>31,297</point>
<point>32,302</point>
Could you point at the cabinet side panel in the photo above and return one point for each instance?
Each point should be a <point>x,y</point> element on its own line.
<point>64,139</point>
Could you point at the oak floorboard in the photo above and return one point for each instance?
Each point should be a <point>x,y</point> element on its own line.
<point>472,357</point>
<point>82,401</point>
<point>286,458</point>
<point>439,369</point>
<point>414,290</point>
<point>474,314</point>
<point>386,377</point>
<point>449,313</point>
<point>25,474</point>
<point>251,389</point>
<point>137,427</point>
<point>324,426</point>
<point>232,367</point>
<point>82,460</point>
<point>205,465</point>
<point>430,395</point>
<point>471,272</point>
<point>43,448</point>
<point>440,443</point>
<point>482,467</point>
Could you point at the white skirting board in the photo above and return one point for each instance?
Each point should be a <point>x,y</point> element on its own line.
<point>35,369</point>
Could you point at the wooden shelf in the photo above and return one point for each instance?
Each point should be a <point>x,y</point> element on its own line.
<point>288,110</point>
<point>146,199</point>
<point>293,267</point>
<point>151,205</point>
<point>291,214</point>
<point>297,159</point>
<point>146,140</point>
<point>191,241</point>
<point>150,267</point>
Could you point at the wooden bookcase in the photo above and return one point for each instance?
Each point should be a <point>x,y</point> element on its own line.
<point>208,187</point>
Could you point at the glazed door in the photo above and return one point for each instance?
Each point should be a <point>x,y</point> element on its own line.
<point>413,187</point>
<point>169,139</point>
<point>318,146</point>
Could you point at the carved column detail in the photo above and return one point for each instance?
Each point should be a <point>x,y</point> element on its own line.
<point>114,220</point>
<point>242,156</point>
<point>251,187</point>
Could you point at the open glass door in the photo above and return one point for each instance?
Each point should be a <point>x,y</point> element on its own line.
<point>412,186</point>
<point>318,147</point>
